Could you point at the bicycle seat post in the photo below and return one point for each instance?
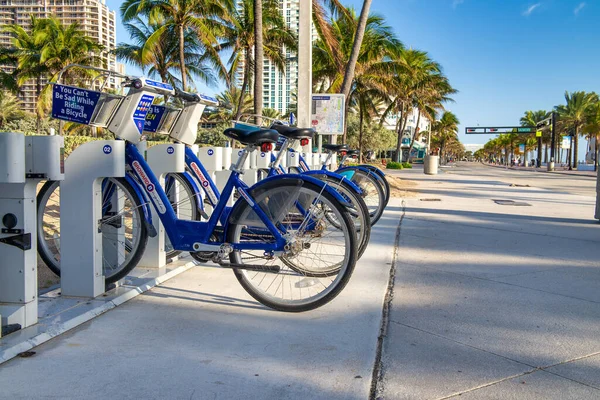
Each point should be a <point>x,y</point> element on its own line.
<point>282,151</point>
<point>239,164</point>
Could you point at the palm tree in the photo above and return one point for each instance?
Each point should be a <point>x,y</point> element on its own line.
<point>10,107</point>
<point>26,54</point>
<point>375,61</point>
<point>161,58</point>
<point>531,118</point>
<point>241,101</point>
<point>271,113</point>
<point>592,128</point>
<point>203,17</point>
<point>445,131</point>
<point>418,83</point>
<point>575,114</point>
<point>66,45</point>
<point>238,39</point>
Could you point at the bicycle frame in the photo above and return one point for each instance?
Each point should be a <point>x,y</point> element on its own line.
<point>191,236</point>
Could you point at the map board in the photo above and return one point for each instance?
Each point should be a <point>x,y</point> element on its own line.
<point>327,114</point>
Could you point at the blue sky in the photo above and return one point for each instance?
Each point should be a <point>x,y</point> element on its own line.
<point>504,56</point>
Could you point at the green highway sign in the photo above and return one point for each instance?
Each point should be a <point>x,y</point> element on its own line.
<point>493,130</point>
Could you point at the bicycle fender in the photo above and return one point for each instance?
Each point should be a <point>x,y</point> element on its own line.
<point>374,169</point>
<point>345,170</point>
<point>334,175</point>
<point>145,204</point>
<point>306,178</point>
<point>197,190</point>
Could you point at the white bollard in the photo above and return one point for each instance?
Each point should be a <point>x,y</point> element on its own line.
<point>293,161</point>
<point>81,195</point>
<point>162,159</point>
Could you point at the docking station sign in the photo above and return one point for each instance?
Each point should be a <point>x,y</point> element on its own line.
<point>73,104</point>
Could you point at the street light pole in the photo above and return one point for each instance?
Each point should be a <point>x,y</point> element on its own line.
<point>552,142</point>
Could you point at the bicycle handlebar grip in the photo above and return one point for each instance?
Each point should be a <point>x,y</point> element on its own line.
<point>191,97</point>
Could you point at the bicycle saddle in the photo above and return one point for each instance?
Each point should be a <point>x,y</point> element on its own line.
<point>255,138</point>
<point>292,132</point>
<point>352,152</point>
<point>335,147</point>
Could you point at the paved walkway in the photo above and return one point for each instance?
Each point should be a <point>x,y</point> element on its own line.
<point>494,301</point>
<point>557,170</point>
<point>200,336</point>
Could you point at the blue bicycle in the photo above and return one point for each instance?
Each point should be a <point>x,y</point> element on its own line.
<point>276,237</point>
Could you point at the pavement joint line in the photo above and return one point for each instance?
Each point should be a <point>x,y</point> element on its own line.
<point>502,283</point>
<point>571,379</point>
<point>485,385</point>
<point>377,375</point>
<point>6,354</point>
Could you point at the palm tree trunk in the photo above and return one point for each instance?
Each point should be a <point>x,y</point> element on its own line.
<point>182,57</point>
<point>360,133</point>
<point>596,153</point>
<point>238,112</point>
<point>575,145</point>
<point>38,117</point>
<point>358,38</point>
<point>258,58</point>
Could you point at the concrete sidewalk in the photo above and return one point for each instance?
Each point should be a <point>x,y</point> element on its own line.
<point>490,300</point>
<point>200,336</point>
<point>557,170</point>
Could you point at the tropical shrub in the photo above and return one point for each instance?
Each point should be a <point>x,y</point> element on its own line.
<point>394,165</point>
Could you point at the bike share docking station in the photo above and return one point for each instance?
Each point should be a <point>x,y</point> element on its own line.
<point>24,162</point>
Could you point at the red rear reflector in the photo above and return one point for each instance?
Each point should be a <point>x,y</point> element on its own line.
<point>303,142</point>
<point>343,153</point>
<point>266,147</point>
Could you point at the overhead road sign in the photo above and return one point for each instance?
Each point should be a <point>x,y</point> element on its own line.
<point>494,130</point>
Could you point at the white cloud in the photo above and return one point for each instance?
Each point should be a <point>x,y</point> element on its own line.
<point>578,8</point>
<point>530,9</point>
<point>456,3</point>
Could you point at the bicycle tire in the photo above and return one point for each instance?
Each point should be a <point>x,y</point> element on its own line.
<point>193,207</point>
<point>264,195</point>
<point>372,193</point>
<point>54,264</point>
<point>362,213</point>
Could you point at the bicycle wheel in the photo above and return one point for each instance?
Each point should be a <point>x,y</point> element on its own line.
<point>124,234</point>
<point>372,193</point>
<point>358,210</point>
<point>314,245</point>
<point>381,179</point>
<point>184,200</point>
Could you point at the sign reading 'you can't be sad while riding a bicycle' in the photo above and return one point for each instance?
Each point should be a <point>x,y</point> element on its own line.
<point>73,104</point>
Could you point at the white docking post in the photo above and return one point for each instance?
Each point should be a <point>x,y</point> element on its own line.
<point>163,159</point>
<point>212,160</point>
<point>24,162</point>
<point>81,194</point>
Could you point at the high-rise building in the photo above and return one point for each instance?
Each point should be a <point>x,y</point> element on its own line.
<point>94,17</point>
<point>278,86</point>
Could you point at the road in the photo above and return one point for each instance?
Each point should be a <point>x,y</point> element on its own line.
<point>559,182</point>
<point>496,288</point>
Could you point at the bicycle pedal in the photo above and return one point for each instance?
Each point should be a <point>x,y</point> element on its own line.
<point>250,267</point>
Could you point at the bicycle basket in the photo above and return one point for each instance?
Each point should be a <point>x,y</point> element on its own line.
<point>161,119</point>
<point>105,109</point>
